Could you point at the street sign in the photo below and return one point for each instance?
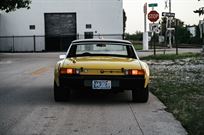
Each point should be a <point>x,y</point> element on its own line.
<point>170,29</point>
<point>155,27</point>
<point>157,30</point>
<point>145,8</point>
<point>153,5</point>
<point>153,16</point>
<point>152,26</point>
<point>168,14</point>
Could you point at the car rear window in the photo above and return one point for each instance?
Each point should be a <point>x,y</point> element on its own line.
<point>100,49</point>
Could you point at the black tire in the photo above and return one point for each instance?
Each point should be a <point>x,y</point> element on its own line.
<point>140,96</point>
<point>61,94</point>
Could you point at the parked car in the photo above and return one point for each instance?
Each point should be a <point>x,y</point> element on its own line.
<point>101,65</point>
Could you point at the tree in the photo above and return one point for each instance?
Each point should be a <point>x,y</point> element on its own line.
<point>182,34</point>
<point>137,36</point>
<point>196,39</point>
<point>124,21</point>
<point>12,5</point>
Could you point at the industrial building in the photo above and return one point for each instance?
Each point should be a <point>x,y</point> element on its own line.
<point>51,25</point>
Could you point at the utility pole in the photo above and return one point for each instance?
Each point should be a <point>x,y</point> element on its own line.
<point>169,6</point>
<point>170,34</point>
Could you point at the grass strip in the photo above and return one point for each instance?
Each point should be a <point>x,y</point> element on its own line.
<point>181,88</point>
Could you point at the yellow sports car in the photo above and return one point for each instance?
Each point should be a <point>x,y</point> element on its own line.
<point>101,65</point>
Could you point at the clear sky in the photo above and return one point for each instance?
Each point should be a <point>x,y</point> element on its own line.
<point>182,8</point>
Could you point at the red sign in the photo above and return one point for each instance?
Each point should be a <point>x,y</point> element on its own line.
<point>153,16</point>
<point>145,8</point>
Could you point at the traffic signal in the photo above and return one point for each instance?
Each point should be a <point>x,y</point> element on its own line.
<point>199,11</point>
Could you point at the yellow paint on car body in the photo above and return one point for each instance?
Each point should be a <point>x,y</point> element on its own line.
<point>102,65</point>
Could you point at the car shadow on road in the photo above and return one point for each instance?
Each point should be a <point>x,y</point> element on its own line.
<point>43,95</point>
<point>98,98</point>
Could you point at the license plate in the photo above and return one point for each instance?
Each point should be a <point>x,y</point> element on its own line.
<point>101,84</point>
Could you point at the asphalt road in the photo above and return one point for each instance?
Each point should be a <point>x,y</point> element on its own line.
<point>27,106</point>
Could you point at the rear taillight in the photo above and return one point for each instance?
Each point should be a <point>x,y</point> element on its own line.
<point>134,72</point>
<point>138,72</point>
<point>67,71</point>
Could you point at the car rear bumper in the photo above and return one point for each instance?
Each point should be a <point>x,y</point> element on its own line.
<point>118,83</point>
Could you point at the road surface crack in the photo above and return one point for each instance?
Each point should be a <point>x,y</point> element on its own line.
<point>131,109</point>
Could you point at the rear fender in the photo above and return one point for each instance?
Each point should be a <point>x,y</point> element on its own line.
<point>145,67</point>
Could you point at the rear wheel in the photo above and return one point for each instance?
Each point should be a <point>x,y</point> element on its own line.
<point>141,95</point>
<point>61,94</point>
